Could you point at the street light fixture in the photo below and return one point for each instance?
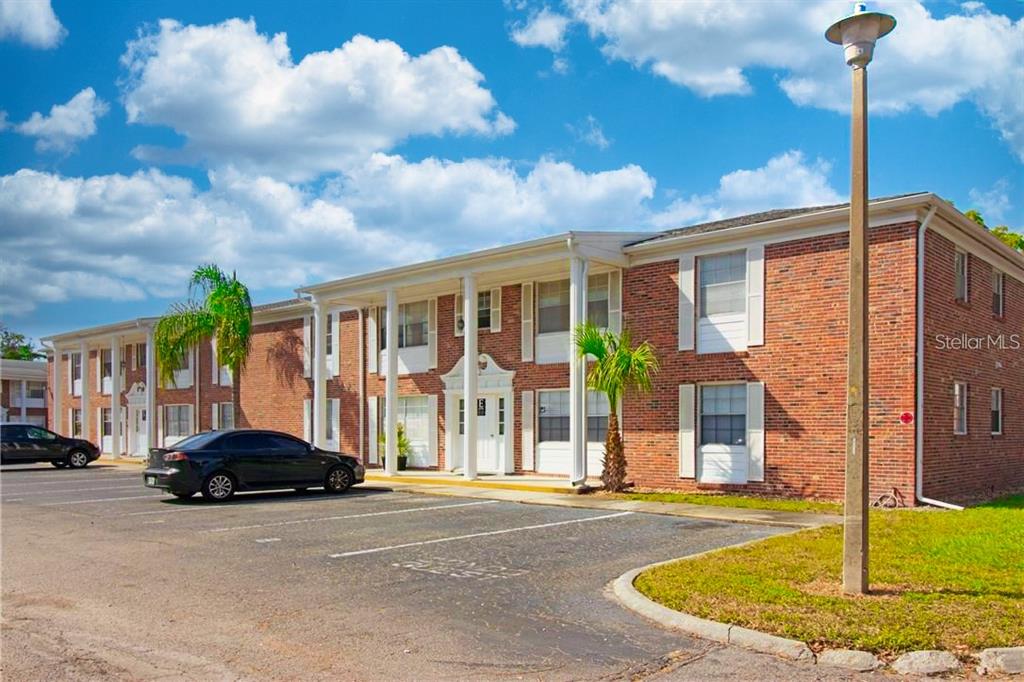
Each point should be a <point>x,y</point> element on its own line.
<point>857,34</point>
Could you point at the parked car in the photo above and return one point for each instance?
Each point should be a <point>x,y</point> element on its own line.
<point>26,443</point>
<point>219,463</point>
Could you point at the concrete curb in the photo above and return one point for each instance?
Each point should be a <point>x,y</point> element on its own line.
<point>626,594</point>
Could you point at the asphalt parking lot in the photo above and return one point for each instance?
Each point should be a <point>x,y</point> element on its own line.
<point>103,577</point>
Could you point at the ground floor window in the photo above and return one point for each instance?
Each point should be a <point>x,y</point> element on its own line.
<point>414,416</point>
<point>553,416</point>
<point>176,421</point>
<point>35,390</point>
<point>723,414</point>
<point>108,427</point>
<point>76,423</point>
<point>226,415</point>
<point>997,411</point>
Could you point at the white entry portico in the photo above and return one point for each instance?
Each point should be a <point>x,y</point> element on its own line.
<point>492,411</point>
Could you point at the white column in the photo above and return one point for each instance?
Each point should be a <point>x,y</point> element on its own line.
<point>86,410</point>
<point>577,371</point>
<point>470,373</point>
<point>151,418</point>
<point>58,393</point>
<point>24,400</point>
<point>391,385</point>
<point>115,397</point>
<point>319,336</point>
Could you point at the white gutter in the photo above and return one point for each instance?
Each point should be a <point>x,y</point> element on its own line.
<point>919,417</point>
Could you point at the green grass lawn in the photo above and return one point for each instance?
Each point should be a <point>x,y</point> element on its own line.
<point>939,579</point>
<point>743,501</point>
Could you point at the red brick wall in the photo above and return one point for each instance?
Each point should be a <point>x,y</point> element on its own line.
<point>977,464</point>
<point>802,364</point>
<point>273,388</point>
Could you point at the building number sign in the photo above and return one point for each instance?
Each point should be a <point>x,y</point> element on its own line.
<point>481,407</point>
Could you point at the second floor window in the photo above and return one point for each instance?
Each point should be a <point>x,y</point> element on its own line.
<point>960,275</point>
<point>553,304</point>
<point>998,284</point>
<point>960,408</point>
<point>723,284</point>
<point>412,325</point>
<point>140,355</point>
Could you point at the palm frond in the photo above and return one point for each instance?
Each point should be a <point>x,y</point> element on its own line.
<point>616,365</point>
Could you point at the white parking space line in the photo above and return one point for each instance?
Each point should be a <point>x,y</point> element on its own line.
<point>266,540</point>
<point>103,499</point>
<point>17,500</point>
<point>60,491</point>
<point>468,536</point>
<point>363,515</point>
<point>238,503</point>
<point>6,483</point>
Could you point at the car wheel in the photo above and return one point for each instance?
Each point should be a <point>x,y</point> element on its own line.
<point>219,486</point>
<point>77,459</point>
<point>339,479</point>
<point>183,496</point>
<point>59,464</point>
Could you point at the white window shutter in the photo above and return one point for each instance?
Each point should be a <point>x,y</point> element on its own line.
<point>755,295</point>
<point>432,429</point>
<point>615,301</point>
<point>191,419</point>
<point>687,309</point>
<point>687,431</point>
<point>99,427</point>
<point>71,377</point>
<point>307,417</point>
<point>526,320</point>
<point>458,315</point>
<point>160,427</point>
<point>99,370</point>
<point>336,344</point>
<point>371,439</point>
<point>496,309</point>
<point>307,346</point>
<point>372,345</point>
<point>215,416</point>
<point>214,365</point>
<point>432,333</point>
<point>529,419</point>
<point>336,418</point>
<point>755,430</point>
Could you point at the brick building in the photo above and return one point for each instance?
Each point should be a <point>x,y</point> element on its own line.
<point>749,318</point>
<point>23,394</point>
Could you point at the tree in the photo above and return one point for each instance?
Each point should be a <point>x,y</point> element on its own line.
<point>15,346</point>
<point>218,308</point>
<point>1014,240</point>
<point>617,367</point>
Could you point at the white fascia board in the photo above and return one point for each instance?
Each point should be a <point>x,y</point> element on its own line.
<point>967,236</point>
<point>100,333</point>
<point>24,370</point>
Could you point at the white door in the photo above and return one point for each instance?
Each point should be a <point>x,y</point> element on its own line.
<point>487,450</point>
<point>139,427</point>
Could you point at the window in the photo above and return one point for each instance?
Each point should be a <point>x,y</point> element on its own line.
<point>249,442</point>
<point>226,415</point>
<point>107,363</point>
<point>36,390</point>
<point>462,416</point>
<point>723,415</point>
<point>330,416</point>
<point>553,416</point>
<point>553,304</point>
<point>140,355</point>
<point>13,432</point>
<point>597,417</point>
<point>997,411</point>
<point>960,273</point>
<point>723,284</point>
<point>108,429</point>
<point>76,422</point>
<point>76,373</point>
<point>998,284</point>
<point>501,416</point>
<point>329,334</point>
<point>412,325</point>
<point>960,408</point>
<point>483,312</point>
<point>286,444</point>
<point>35,433</point>
<point>176,420</point>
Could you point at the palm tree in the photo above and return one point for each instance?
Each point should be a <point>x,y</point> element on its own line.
<point>617,367</point>
<point>218,307</point>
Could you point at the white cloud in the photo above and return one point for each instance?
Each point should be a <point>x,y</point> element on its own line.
<point>994,203</point>
<point>543,29</point>
<point>67,124</point>
<point>119,237</point>
<point>590,132</point>
<point>239,98</point>
<point>927,63</point>
<point>31,22</point>
<point>785,181</point>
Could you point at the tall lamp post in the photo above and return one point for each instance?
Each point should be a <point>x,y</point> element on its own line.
<point>857,34</point>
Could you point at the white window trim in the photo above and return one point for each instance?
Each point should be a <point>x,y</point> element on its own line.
<point>964,395</point>
<point>1002,415</point>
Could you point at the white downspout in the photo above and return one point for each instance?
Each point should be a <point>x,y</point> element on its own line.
<point>919,417</point>
<point>362,386</point>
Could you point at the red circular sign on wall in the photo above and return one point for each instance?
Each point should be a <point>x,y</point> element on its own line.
<point>907,418</point>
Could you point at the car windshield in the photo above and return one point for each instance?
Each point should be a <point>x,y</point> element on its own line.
<point>200,441</point>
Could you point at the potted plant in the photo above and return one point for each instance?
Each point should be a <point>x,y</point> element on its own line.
<point>404,446</point>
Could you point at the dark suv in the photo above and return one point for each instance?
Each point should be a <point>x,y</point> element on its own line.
<point>217,463</point>
<point>25,443</point>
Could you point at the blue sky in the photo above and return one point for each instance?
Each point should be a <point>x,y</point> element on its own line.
<point>287,148</point>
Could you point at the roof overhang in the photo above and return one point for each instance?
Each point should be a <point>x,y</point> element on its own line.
<point>27,370</point>
<point>101,331</point>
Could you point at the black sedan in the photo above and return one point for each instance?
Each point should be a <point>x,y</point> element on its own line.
<point>218,463</point>
<point>26,443</point>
